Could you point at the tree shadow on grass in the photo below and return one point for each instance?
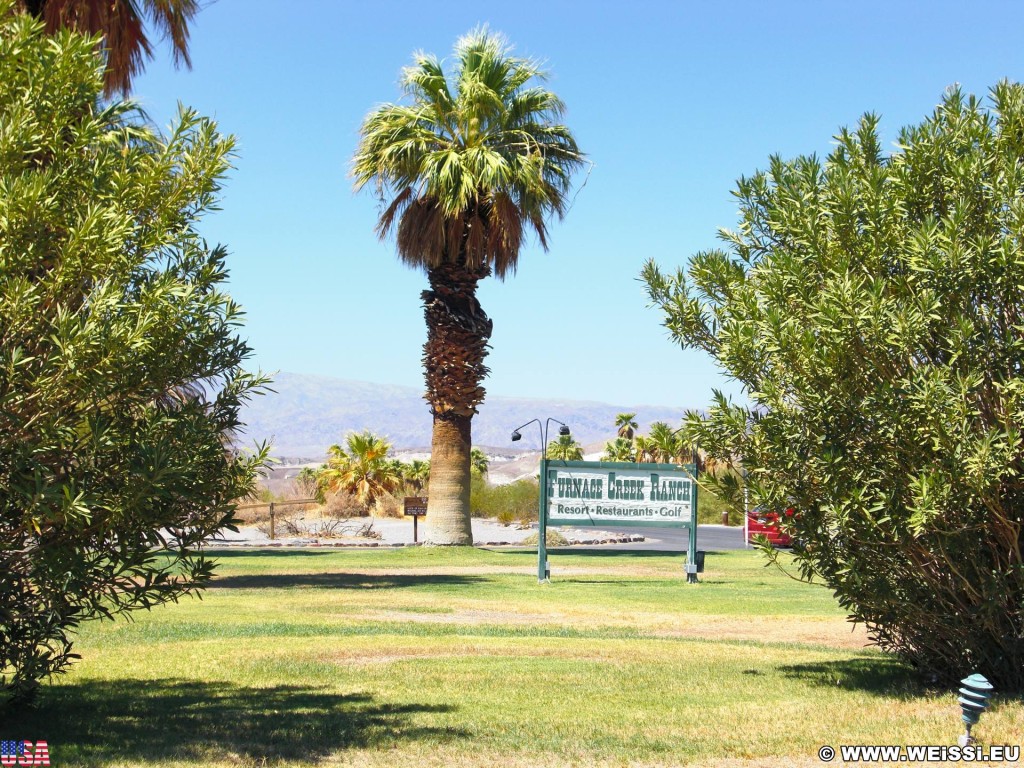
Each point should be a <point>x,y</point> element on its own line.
<point>878,675</point>
<point>95,723</point>
<point>342,581</point>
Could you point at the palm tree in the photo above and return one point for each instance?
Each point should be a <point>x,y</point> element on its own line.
<point>361,468</point>
<point>308,481</point>
<point>645,448</point>
<point>626,422</point>
<point>619,449</point>
<point>667,445</point>
<point>417,474</point>
<point>466,168</point>
<point>398,468</point>
<point>478,461</point>
<point>565,448</point>
<point>121,23</point>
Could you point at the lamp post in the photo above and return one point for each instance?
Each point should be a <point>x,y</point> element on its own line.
<point>543,569</point>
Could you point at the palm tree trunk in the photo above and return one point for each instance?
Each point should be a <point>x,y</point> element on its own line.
<point>448,520</point>
<point>457,335</point>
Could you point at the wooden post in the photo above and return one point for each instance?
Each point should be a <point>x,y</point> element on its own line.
<point>271,521</point>
<point>415,507</point>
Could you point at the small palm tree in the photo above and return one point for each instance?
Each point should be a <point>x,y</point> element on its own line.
<point>626,423</point>
<point>465,169</point>
<point>398,468</point>
<point>619,449</point>
<point>667,446</point>
<point>308,481</point>
<point>565,448</point>
<point>645,449</point>
<point>417,474</point>
<point>121,23</point>
<point>478,462</point>
<point>361,468</point>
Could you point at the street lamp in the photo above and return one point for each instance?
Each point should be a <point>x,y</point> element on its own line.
<point>563,430</point>
<point>543,568</point>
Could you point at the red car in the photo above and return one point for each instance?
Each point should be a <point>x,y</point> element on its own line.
<point>763,523</point>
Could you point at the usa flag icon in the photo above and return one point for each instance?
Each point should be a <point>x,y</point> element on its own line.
<point>22,753</point>
<point>12,748</point>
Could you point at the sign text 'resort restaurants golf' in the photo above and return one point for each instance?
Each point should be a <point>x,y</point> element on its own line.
<point>623,495</point>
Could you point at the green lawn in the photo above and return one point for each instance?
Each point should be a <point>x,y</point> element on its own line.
<point>420,657</point>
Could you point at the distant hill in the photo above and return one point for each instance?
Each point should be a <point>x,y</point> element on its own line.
<point>307,414</point>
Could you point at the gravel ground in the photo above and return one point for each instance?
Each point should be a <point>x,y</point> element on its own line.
<point>398,532</point>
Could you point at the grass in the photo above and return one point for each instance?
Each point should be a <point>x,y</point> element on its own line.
<point>433,657</point>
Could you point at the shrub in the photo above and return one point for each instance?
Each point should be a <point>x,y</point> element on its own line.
<point>553,538</point>
<point>711,505</point>
<point>120,369</point>
<point>516,501</point>
<point>871,308</point>
<point>387,505</point>
<point>343,505</point>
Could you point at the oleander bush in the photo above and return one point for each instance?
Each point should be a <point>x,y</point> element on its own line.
<point>871,305</point>
<point>509,503</point>
<point>120,365</point>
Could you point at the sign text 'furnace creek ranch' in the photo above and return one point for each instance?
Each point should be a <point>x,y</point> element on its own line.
<point>625,495</point>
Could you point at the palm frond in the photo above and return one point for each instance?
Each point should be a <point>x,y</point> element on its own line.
<point>471,161</point>
<point>120,23</point>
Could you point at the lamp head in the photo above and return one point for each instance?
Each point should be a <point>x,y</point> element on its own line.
<point>516,436</point>
<point>563,431</point>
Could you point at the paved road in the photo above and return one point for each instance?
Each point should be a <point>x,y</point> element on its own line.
<point>709,538</point>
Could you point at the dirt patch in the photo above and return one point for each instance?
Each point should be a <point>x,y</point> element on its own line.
<point>834,633</point>
<point>461,651</point>
<point>474,616</point>
<point>830,632</point>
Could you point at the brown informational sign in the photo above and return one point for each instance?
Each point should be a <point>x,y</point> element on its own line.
<point>416,506</point>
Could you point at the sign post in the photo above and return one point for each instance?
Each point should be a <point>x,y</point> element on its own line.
<point>601,493</point>
<point>543,572</point>
<point>415,507</point>
<point>746,513</point>
<point>693,565</point>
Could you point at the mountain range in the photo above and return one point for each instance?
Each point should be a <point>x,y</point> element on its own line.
<point>305,414</point>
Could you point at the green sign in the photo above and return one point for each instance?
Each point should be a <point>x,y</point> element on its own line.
<point>593,493</point>
<point>602,494</point>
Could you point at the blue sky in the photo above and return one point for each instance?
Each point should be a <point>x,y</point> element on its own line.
<point>671,102</point>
